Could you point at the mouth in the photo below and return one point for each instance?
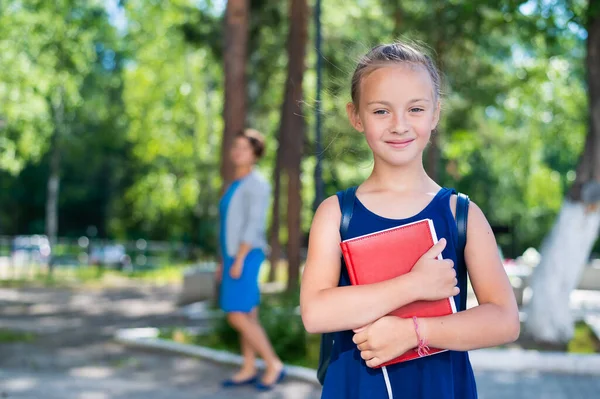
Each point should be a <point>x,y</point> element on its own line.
<point>399,143</point>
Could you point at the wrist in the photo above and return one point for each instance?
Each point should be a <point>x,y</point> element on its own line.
<point>413,338</point>
<point>412,287</point>
<point>421,336</point>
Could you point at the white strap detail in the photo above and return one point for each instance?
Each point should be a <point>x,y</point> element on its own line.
<point>388,385</point>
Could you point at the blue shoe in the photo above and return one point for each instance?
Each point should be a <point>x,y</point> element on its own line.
<point>230,383</point>
<point>264,387</point>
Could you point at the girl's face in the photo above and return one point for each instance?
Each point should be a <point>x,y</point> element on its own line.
<point>397,111</point>
<point>242,153</point>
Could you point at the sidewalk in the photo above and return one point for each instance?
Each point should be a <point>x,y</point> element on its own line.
<point>75,356</point>
<point>159,376</point>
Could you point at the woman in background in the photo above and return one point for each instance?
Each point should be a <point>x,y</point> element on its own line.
<point>243,210</point>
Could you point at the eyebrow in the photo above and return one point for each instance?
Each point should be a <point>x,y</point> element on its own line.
<point>414,100</point>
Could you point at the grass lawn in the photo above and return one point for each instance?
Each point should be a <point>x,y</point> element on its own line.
<point>9,336</point>
<point>92,276</point>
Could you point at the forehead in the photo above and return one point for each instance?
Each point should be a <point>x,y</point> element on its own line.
<point>242,141</point>
<point>396,82</point>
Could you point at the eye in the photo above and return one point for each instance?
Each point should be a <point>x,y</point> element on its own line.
<point>416,109</point>
<point>380,112</point>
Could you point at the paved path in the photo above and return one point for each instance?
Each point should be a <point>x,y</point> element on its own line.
<point>74,356</point>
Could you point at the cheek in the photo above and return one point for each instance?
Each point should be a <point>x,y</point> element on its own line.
<point>371,137</point>
<point>249,155</point>
<point>424,127</point>
<point>246,156</point>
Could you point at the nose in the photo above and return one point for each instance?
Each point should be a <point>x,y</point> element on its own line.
<point>399,124</point>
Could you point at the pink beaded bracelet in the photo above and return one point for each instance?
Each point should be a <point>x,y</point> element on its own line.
<point>422,348</point>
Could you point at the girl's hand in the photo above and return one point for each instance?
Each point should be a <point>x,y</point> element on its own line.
<point>236,269</point>
<point>385,339</point>
<point>436,278</point>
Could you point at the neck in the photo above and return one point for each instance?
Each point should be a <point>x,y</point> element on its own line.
<point>242,171</point>
<point>411,177</point>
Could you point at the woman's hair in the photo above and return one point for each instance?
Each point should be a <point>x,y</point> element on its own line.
<point>389,54</point>
<point>256,140</point>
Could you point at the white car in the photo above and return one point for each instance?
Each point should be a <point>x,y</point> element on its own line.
<point>30,250</point>
<point>113,255</point>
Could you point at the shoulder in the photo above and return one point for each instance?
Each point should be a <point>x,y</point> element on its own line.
<point>256,181</point>
<point>454,202</point>
<point>476,219</point>
<point>330,204</point>
<point>328,212</point>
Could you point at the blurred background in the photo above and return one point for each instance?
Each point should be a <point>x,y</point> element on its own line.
<point>115,116</point>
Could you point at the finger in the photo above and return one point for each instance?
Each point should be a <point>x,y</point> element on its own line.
<point>436,250</point>
<point>456,291</point>
<point>367,355</point>
<point>359,338</point>
<point>361,328</point>
<point>374,362</point>
<point>365,346</point>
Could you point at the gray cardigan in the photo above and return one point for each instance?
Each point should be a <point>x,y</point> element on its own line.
<point>247,213</point>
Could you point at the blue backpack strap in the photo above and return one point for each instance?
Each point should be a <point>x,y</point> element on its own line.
<point>347,208</point>
<point>462,213</point>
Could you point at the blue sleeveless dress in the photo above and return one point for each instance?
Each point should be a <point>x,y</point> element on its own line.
<point>242,294</point>
<point>446,375</point>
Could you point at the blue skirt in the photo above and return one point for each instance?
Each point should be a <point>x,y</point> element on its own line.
<point>241,295</point>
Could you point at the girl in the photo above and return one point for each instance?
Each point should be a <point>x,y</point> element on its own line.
<point>396,105</point>
<point>243,209</point>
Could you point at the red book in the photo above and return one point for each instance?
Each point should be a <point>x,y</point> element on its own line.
<point>390,253</point>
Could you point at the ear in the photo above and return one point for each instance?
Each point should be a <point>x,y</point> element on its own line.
<point>436,116</point>
<point>353,117</point>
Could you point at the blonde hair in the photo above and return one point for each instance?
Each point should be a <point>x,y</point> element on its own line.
<point>395,53</point>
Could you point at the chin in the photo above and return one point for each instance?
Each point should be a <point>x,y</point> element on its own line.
<point>400,159</point>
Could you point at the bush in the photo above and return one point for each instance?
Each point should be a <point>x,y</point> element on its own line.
<point>280,317</point>
<point>279,314</point>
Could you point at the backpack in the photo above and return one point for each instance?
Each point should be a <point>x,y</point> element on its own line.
<point>462,210</point>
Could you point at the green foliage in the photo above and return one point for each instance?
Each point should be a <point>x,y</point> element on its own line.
<point>141,137</point>
<point>9,336</point>
<point>281,320</point>
<point>584,340</point>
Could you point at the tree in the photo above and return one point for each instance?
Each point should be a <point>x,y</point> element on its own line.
<point>566,249</point>
<point>57,41</point>
<point>234,111</point>
<point>171,97</point>
<point>291,141</point>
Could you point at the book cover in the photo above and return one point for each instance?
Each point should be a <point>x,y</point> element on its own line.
<point>390,253</point>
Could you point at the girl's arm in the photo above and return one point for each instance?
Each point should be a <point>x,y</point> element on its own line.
<point>326,307</point>
<point>494,322</point>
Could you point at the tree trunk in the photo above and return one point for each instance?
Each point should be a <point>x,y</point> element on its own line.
<point>274,243</point>
<point>235,52</point>
<point>398,19</point>
<point>319,185</point>
<point>297,39</point>
<point>294,227</point>
<point>53,189</point>
<point>567,248</point>
<point>564,255</point>
<point>432,160</point>
<point>53,186</point>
